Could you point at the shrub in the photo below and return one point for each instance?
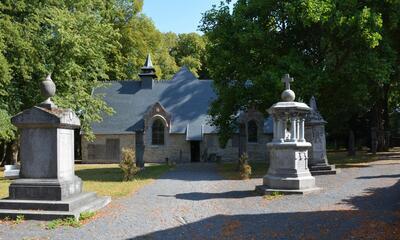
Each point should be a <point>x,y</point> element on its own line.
<point>128,164</point>
<point>244,167</point>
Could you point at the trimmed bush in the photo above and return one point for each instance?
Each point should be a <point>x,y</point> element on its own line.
<point>244,167</point>
<point>128,164</point>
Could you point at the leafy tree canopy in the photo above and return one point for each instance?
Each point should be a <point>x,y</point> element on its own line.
<point>344,52</point>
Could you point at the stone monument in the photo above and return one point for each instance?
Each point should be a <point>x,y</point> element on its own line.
<point>48,188</point>
<point>288,172</point>
<point>315,134</point>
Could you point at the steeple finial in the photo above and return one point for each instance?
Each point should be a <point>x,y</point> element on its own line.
<point>148,63</point>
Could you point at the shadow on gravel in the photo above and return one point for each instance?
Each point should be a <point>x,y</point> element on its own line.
<point>194,172</point>
<point>199,196</point>
<point>376,215</point>
<point>380,176</point>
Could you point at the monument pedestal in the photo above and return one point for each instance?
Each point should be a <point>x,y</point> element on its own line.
<point>288,172</point>
<point>315,134</point>
<point>48,188</point>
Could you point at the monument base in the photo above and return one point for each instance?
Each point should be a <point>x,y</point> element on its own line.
<point>44,189</point>
<point>322,169</point>
<point>265,190</point>
<point>50,210</point>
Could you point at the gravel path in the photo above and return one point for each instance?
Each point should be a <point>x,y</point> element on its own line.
<point>193,202</point>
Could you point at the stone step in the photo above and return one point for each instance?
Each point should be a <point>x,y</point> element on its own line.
<point>322,168</point>
<point>37,214</point>
<point>65,205</point>
<point>95,204</point>
<point>323,172</point>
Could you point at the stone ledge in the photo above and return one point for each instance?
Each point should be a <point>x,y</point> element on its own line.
<point>265,190</point>
<point>36,213</point>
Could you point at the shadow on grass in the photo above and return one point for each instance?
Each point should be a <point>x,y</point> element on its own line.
<point>376,216</point>
<point>199,196</point>
<point>114,174</point>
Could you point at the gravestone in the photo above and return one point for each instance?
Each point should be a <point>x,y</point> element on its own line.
<point>48,188</point>
<point>288,171</point>
<point>315,134</point>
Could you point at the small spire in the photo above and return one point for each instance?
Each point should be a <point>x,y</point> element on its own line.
<point>148,63</point>
<point>313,103</point>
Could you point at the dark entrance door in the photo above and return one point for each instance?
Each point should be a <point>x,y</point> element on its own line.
<point>195,151</point>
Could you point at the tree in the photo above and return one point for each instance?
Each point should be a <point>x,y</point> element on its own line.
<point>188,49</point>
<point>339,51</point>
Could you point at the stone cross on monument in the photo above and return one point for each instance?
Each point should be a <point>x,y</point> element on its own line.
<point>48,187</point>
<point>287,80</point>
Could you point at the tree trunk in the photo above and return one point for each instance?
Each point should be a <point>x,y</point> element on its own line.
<point>8,155</point>
<point>351,150</point>
<point>2,151</point>
<point>380,120</point>
<point>374,141</point>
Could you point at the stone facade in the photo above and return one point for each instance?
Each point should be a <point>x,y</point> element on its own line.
<point>176,148</point>
<point>106,148</point>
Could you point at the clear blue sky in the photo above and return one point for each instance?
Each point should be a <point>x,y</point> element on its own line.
<point>179,16</point>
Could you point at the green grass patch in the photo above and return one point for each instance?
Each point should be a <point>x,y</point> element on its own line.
<point>342,160</point>
<point>106,179</point>
<point>230,170</point>
<point>273,195</point>
<point>4,183</point>
<point>67,222</point>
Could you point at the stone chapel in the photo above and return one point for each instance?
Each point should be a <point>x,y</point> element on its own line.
<point>168,120</point>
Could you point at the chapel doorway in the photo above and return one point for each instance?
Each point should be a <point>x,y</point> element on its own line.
<point>195,151</point>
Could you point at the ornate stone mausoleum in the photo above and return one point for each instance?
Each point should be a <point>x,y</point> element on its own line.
<point>288,169</point>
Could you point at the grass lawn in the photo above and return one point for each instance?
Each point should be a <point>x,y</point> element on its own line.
<point>105,179</point>
<point>338,158</point>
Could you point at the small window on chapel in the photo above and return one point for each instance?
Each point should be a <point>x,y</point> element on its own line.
<point>157,130</point>
<point>252,131</point>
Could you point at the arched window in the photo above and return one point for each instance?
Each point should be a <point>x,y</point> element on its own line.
<point>157,130</point>
<point>252,131</point>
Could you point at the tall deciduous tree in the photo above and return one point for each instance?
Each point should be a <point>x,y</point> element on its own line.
<point>344,52</point>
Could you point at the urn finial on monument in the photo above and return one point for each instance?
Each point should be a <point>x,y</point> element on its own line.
<point>48,89</point>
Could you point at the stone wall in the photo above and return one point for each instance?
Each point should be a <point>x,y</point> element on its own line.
<point>176,148</point>
<point>256,151</point>
<point>106,148</point>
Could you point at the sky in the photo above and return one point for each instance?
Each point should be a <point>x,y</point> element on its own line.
<point>179,16</point>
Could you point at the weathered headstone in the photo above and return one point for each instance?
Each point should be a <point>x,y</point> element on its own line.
<point>48,188</point>
<point>288,171</point>
<point>315,134</point>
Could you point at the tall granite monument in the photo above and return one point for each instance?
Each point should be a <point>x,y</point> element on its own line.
<point>48,187</point>
<point>288,172</point>
<point>315,134</point>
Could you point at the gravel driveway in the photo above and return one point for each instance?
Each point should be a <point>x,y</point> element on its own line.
<point>194,202</point>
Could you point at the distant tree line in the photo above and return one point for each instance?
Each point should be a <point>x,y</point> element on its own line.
<point>82,43</point>
<point>344,52</point>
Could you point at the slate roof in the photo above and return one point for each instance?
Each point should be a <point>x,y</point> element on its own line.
<point>185,97</point>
